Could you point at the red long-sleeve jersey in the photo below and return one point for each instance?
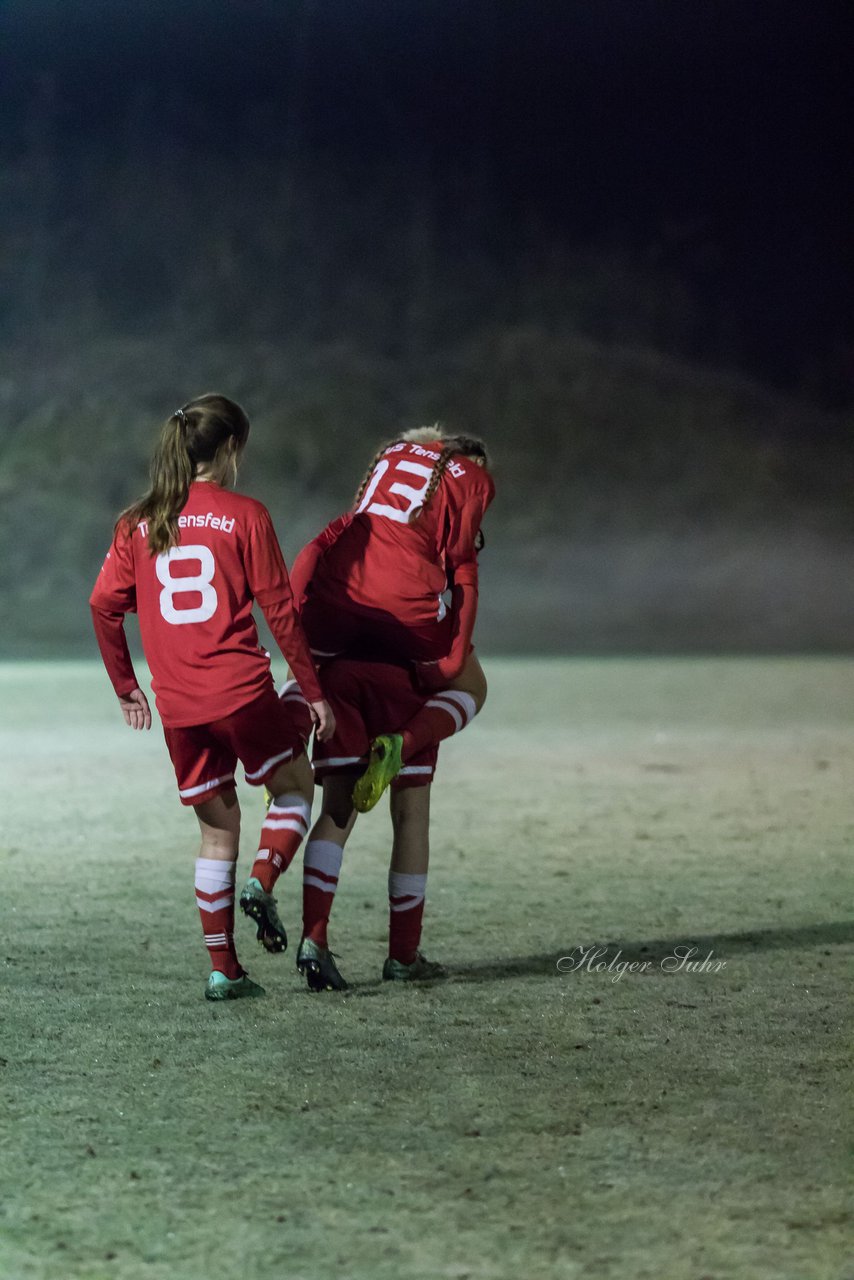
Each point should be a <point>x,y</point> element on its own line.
<point>374,558</point>
<point>195,609</point>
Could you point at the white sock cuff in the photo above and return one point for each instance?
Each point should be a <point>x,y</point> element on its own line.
<point>213,874</point>
<point>323,855</point>
<point>403,885</point>
<point>461,707</point>
<point>290,804</point>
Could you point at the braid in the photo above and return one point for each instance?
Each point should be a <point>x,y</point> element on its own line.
<point>468,446</point>
<point>370,471</point>
<point>438,471</point>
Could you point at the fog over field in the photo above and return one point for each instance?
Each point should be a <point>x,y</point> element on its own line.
<point>644,504</point>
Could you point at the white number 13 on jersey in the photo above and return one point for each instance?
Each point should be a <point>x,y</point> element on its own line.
<point>199,584</point>
<point>413,496</point>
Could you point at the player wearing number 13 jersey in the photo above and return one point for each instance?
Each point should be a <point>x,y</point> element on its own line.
<point>190,558</point>
<point>371,584</point>
<point>370,589</point>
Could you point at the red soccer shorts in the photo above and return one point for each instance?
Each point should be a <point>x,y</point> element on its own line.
<point>372,635</point>
<point>263,735</point>
<point>369,698</point>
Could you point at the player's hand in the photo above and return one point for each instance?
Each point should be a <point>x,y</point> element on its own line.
<point>324,720</point>
<point>430,677</point>
<point>135,709</point>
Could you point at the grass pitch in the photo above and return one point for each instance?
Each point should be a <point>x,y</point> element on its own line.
<point>590,1124</point>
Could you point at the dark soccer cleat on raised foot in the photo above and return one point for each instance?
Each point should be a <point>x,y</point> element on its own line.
<point>421,970</point>
<point>317,965</point>
<point>219,987</point>
<point>260,906</point>
<point>384,765</point>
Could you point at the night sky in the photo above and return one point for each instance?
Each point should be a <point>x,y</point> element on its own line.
<point>710,136</point>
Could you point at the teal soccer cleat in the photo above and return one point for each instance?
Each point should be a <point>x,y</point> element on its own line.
<point>219,987</point>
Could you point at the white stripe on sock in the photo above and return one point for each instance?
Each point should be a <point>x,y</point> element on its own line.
<point>213,874</point>
<point>216,905</point>
<point>286,824</point>
<point>328,886</point>
<point>323,855</point>
<point>403,885</point>
<point>464,701</point>
<point>450,710</point>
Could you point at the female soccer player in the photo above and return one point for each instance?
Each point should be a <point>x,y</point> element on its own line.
<point>190,557</point>
<point>368,696</point>
<point>371,585</point>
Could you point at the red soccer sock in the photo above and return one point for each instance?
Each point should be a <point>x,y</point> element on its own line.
<point>406,910</point>
<point>321,867</point>
<point>282,834</point>
<point>215,900</point>
<point>444,714</point>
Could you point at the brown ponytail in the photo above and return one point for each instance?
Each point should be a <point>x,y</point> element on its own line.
<point>193,435</point>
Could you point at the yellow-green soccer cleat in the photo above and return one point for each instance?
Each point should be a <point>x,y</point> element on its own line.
<point>421,970</point>
<point>318,967</point>
<point>220,987</point>
<point>383,767</point>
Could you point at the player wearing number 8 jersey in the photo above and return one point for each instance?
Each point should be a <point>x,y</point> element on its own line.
<point>190,558</point>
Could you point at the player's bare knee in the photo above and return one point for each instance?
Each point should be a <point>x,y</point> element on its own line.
<point>472,681</point>
<point>219,826</point>
<point>338,802</point>
<point>409,806</point>
<point>220,813</point>
<point>479,691</point>
<point>221,847</point>
<point>295,776</point>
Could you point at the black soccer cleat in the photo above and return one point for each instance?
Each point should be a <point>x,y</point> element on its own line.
<point>317,965</point>
<point>261,907</point>
<point>421,970</point>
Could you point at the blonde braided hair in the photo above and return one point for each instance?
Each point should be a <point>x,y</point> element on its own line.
<point>433,483</point>
<point>360,492</point>
<point>469,446</point>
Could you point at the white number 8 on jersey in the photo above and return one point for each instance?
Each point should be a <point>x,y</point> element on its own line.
<point>201,583</point>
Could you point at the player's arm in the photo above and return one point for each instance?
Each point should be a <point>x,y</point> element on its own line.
<point>303,568</point>
<point>435,675</point>
<point>461,560</point>
<point>270,585</point>
<point>114,595</point>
